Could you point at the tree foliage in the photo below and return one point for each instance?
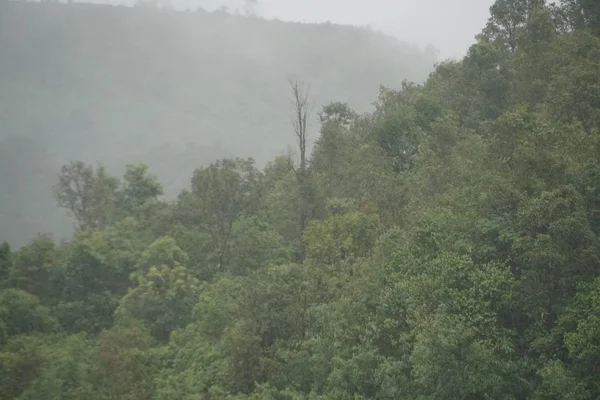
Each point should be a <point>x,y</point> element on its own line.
<point>450,242</point>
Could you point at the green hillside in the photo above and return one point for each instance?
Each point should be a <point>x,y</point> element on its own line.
<point>445,246</point>
<point>177,89</point>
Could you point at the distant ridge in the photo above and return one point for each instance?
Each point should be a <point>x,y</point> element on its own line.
<point>119,84</point>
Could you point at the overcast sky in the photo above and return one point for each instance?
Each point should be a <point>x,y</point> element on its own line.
<point>449,25</point>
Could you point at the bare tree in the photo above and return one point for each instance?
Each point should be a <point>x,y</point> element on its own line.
<point>301,109</point>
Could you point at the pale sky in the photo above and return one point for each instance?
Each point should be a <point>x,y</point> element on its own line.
<point>449,25</point>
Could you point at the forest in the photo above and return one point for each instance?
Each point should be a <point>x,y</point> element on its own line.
<point>178,90</point>
<point>444,245</point>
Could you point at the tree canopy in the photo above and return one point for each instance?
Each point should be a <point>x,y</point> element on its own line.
<point>443,246</point>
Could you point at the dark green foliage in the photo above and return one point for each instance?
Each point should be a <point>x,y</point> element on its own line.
<point>450,250</point>
<point>21,313</point>
<point>5,262</point>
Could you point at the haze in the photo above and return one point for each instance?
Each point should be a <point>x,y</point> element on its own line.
<point>174,89</point>
<point>450,26</point>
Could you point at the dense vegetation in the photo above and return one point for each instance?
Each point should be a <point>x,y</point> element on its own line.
<point>174,89</point>
<point>444,246</point>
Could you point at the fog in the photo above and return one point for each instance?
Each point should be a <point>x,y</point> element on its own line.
<point>180,89</point>
<point>450,26</point>
<point>116,85</point>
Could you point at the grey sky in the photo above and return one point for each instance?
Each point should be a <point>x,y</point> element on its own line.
<point>450,25</point>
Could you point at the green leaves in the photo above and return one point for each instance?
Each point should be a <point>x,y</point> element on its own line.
<point>21,313</point>
<point>163,299</point>
<point>89,194</point>
<point>449,250</point>
<point>5,262</point>
<point>221,194</point>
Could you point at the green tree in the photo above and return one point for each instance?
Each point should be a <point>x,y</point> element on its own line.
<point>70,374</point>
<point>254,245</point>
<point>139,186</point>
<point>163,299</point>
<point>90,286</point>
<point>163,251</point>
<point>126,362</point>
<point>5,262</point>
<point>579,15</point>
<point>36,269</point>
<point>21,362</point>
<point>21,314</point>
<point>221,193</point>
<point>507,20</point>
<point>88,194</point>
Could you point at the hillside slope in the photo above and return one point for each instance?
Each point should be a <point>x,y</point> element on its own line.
<point>176,89</point>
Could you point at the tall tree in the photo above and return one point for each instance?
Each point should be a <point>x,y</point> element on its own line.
<point>301,109</point>
<point>508,18</point>
<point>89,194</point>
<point>139,186</point>
<point>221,193</point>
<point>578,15</point>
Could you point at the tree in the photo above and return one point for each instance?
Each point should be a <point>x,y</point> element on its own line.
<point>21,314</point>
<point>163,299</point>
<point>301,109</point>
<point>71,373</point>
<point>332,149</point>
<point>90,287</point>
<point>139,186</point>
<point>221,193</point>
<point>125,361</point>
<point>5,262</point>
<point>254,245</point>
<point>341,237</point>
<point>578,15</point>
<point>163,251</point>
<point>508,18</point>
<point>36,269</point>
<point>89,194</point>
<point>21,362</point>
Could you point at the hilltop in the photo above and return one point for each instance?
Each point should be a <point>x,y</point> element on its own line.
<point>175,89</point>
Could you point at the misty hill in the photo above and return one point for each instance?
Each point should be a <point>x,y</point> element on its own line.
<point>175,89</point>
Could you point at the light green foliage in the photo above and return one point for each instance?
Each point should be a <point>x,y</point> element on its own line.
<point>584,316</point>
<point>163,298</point>
<point>163,251</point>
<point>342,236</point>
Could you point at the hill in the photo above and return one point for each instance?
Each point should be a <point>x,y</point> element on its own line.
<point>176,89</point>
<point>445,246</point>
